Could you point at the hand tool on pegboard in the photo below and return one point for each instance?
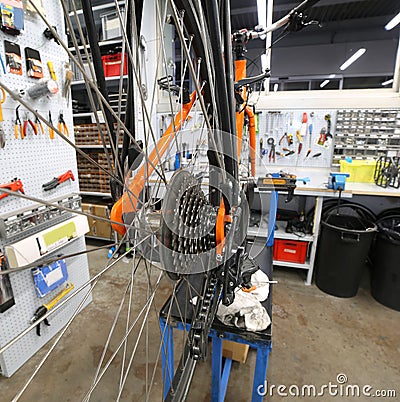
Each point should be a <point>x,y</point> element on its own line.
<point>51,131</point>
<point>51,70</point>
<point>13,185</point>
<point>18,124</point>
<point>288,151</point>
<point>272,152</point>
<point>44,308</point>
<point>58,180</point>
<point>2,136</point>
<point>39,125</point>
<point>69,77</point>
<point>62,126</point>
<point>310,131</point>
<point>288,137</point>
<point>303,128</point>
<point>300,140</point>
<point>28,122</point>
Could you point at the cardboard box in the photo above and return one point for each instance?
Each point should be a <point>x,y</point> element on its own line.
<point>98,228</point>
<point>235,351</point>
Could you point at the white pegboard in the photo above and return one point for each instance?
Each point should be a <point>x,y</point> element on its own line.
<point>274,123</point>
<point>36,160</point>
<point>17,318</point>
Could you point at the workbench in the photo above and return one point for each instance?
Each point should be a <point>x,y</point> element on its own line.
<point>317,188</point>
<point>171,318</point>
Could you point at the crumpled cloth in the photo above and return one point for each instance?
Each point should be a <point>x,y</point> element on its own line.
<point>247,311</point>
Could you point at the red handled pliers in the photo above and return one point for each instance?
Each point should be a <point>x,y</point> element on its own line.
<point>28,121</point>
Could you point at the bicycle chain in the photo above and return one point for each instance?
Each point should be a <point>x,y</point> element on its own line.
<point>206,308</point>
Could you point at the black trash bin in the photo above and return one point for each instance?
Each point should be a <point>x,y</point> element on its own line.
<point>385,275</point>
<point>346,235</point>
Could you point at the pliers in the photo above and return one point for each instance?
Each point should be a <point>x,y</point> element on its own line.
<point>58,180</point>
<point>38,125</point>
<point>18,124</point>
<point>62,126</point>
<point>51,131</point>
<point>272,152</point>
<point>289,139</point>
<point>28,121</point>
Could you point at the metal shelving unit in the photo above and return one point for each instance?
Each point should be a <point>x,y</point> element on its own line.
<point>280,233</point>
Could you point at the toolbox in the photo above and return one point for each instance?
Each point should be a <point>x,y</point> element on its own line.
<point>290,250</point>
<point>112,64</point>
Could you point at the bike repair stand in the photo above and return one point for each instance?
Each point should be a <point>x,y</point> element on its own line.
<point>261,341</point>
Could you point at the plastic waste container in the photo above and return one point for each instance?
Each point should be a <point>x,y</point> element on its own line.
<point>385,275</point>
<point>345,238</point>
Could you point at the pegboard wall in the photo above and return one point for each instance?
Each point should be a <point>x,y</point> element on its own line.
<point>36,160</point>
<point>275,123</point>
<point>16,319</point>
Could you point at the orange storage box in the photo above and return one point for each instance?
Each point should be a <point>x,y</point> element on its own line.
<point>290,250</point>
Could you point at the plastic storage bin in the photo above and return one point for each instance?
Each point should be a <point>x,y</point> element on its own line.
<point>361,171</point>
<point>345,239</point>
<point>112,64</point>
<point>290,250</point>
<point>110,24</point>
<point>385,275</point>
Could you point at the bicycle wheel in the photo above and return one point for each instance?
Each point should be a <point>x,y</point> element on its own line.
<point>175,225</point>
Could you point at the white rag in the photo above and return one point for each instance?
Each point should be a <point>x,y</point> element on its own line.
<point>247,311</point>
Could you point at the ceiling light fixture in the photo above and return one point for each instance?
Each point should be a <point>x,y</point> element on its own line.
<point>332,76</point>
<point>353,58</point>
<point>262,12</point>
<point>324,83</point>
<point>387,82</point>
<point>393,22</point>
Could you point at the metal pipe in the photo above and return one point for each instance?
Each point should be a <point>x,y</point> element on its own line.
<point>396,76</point>
<point>268,41</point>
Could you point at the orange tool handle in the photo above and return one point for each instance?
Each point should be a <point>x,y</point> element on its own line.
<point>66,176</point>
<point>15,185</point>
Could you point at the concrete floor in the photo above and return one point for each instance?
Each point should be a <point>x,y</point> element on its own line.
<point>315,337</point>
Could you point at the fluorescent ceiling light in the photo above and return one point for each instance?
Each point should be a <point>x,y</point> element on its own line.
<point>324,83</point>
<point>262,12</point>
<point>332,76</point>
<point>276,86</point>
<point>387,82</point>
<point>353,58</point>
<point>393,22</point>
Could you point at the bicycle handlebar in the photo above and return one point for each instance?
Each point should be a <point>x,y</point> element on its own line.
<point>284,20</point>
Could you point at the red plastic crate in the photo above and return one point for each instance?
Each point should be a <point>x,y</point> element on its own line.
<point>290,250</point>
<point>112,64</point>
